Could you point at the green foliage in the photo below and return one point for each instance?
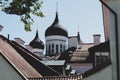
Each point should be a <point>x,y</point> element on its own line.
<point>24,9</point>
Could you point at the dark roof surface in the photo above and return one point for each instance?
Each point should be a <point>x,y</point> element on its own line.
<point>66,55</point>
<point>34,61</point>
<point>56,29</point>
<point>36,42</point>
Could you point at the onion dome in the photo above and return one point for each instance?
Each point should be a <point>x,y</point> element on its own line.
<point>56,29</point>
<point>36,42</point>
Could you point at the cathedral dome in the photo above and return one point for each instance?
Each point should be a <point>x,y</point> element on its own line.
<point>36,42</point>
<point>56,29</point>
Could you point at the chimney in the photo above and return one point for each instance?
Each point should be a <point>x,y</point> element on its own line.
<point>1,27</point>
<point>96,39</point>
<point>8,36</point>
<point>19,41</point>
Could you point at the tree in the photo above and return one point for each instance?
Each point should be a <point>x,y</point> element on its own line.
<point>24,9</point>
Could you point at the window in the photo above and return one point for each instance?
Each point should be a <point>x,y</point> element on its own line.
<point>101,57</point>
<point>64,47</point>
<point>46,49</point>
<point>52,48</point>
<point>49,50</point>
<point>57,48</point>
<point>60,47</point>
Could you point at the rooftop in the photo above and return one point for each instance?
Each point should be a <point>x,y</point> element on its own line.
<point>19,62</point>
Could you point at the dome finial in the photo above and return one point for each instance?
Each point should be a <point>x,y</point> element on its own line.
<point>57,6</point>
<point>56,18</point>
<point>37,35</point>
<point>78,28</point>
<point>78,36</point>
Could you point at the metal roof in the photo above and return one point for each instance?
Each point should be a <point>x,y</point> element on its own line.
<point>53,62</point>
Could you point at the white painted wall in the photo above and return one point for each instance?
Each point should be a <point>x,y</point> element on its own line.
<point>38,52</point>
<point>104,74</point>
<point>72,42</point>
<point>19,41</point>
<point>56,40</point>
<point>7,72</point>
<point>115,6</point>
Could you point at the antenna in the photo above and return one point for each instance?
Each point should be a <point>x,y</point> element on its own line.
<point>78,27</point>
<point>57,6</point>
<point>37,26</point>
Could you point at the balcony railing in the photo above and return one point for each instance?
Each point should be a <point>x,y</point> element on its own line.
<point>73,77</point>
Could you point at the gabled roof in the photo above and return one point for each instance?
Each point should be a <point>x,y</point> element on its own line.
<point>20,63</point>
<point>66,55</point>
<point>102,47</point>
<point>80,55</point>
<point>34,61</point>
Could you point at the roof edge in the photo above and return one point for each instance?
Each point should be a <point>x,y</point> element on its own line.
<point>13,65</point>
<point>96,69</point>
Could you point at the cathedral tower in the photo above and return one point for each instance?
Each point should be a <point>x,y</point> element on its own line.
<point>37,45</point>
<point>56,37</point>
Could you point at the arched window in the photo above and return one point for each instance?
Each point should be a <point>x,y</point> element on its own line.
<point>52,48</point>
<point>57,49</point>
<point>49,50</point>
<point>60,47</point>
<point>64,48</point>
<point>46,49</point>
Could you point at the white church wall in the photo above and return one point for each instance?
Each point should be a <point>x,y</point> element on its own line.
<point>56,40</point>
<point>72,42</point>
<point>56,37</point>
<point>38,52</point>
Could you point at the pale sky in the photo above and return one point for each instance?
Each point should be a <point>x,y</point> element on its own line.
<point>85,13</point>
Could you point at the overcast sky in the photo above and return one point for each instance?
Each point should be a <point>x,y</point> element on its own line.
<point>85,13</point>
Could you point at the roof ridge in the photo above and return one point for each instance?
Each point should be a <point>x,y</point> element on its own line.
<point>35,58</point>
<point>16,58</point>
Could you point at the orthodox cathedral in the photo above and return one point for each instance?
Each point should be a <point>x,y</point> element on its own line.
<point>56,37</point>
<point>57,40</point>
<point>66,57</point>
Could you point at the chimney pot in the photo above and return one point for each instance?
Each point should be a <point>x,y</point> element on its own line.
<point>96,39</point>
<point>19,41</point>
<point>1,27</point>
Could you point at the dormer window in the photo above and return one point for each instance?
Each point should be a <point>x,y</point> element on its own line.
<point>101,57</point>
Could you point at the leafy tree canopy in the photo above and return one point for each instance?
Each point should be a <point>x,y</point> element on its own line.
<point>24,9</point>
